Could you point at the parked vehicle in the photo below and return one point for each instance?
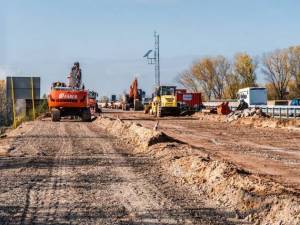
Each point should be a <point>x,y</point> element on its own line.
<point>253,96</point>
<point>295,102</point>
<point>190,101</point>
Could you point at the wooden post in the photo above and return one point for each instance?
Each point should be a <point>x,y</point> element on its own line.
<point>32,98</point>
<point>13,102</point>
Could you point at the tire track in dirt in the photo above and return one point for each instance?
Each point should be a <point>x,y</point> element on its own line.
<point>78,174</point>
<point>41,193</point>
<point>145,200</point>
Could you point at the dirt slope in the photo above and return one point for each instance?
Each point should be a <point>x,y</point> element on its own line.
<point>274,153</point>
<point>254,198</point>
<point>76,173</point>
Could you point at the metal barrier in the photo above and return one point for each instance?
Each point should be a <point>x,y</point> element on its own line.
<point>278,111</point>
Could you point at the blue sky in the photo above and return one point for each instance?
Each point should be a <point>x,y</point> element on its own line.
<point>109,37</point>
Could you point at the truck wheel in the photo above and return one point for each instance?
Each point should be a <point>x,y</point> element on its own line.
<point>55,115</point>
<point>86,115</point>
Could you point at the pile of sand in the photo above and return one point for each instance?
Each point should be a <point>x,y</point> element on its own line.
<point>132,132</point>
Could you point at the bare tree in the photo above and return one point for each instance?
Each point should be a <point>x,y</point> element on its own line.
<point>294,64</point>
<point>211,74</point>
<point>277,71</point>
<point>222,67</point>
<point>188,80</point>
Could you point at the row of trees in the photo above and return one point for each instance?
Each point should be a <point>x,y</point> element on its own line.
<point>217,77</point>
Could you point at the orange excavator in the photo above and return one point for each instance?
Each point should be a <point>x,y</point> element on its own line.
<point>134,98</point>
<point>69,100</point>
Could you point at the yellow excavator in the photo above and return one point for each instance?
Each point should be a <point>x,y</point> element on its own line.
<point>164,102</point>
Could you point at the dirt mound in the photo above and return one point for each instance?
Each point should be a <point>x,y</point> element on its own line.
<point>250,197</point>
<point>132,132</point>
<point>253,119</point>
<point>254,113</point>
<point>210,117</point>
<point>269,123</point>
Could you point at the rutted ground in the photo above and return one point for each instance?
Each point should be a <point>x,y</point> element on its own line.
<point>76,173</point>
<point>254,198</point>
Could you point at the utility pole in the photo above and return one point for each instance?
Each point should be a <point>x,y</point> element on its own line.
<point>155,60</point>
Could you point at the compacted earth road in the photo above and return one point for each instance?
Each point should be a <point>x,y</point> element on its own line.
<point>75,173</point>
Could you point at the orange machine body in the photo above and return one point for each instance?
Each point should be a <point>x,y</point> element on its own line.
<point>68,98</point>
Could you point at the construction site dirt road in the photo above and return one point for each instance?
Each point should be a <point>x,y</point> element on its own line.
<point>76,173</point>
<point>269,152</point>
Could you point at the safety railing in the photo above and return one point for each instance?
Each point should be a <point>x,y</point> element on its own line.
<point>277,111</point>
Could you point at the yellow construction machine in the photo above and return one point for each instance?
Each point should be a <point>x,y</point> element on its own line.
<point>164,102</point>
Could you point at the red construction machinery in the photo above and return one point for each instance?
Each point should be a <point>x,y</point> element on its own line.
<point>134,98</point>
<point>71,99</point>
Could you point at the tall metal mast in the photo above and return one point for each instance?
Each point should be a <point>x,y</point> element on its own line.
<point>157,62</point>
<point>155,59</point>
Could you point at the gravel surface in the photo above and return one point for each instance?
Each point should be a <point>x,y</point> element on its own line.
<point>76,173</point>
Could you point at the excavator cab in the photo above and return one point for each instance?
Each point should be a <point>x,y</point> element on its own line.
<point>58,84</point>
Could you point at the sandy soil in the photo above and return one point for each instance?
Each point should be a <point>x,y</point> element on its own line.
<point>269,152</point>
<point>76,173</point>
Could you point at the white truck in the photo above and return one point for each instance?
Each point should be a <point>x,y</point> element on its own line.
<point>253,96</point>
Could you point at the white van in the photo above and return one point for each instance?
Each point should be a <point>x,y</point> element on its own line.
<point>253,95</point>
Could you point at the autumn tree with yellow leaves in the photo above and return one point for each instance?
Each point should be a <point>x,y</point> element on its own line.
<point>244,69</point>
<point>189,81</point>
<point>211,73</point>
<point>217,78</point>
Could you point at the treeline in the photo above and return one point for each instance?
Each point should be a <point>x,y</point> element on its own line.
<point>217,77</point>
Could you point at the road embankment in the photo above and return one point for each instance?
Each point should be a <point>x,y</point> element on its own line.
<point>254,198</point>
